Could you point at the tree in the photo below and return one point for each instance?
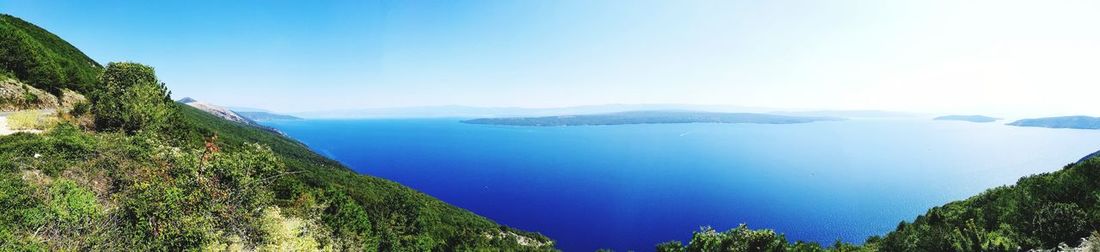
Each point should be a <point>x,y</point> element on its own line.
<point>131,99</point>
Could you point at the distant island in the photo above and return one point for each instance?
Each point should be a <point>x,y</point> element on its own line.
<point>265,116</point>
<point>650,117</point>
<point>968,118</point>
<point>849,113</point>
<point>1066,122</point>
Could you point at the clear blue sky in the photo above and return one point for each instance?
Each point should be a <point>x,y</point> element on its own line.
<point>954,56</point>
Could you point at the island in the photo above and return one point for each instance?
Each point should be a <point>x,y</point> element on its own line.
<point>1061,122</point>
<point>261,116</point>
<point>650,117</point>
<point>968,118</point>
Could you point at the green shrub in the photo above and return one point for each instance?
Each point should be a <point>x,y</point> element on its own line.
<point>19,213</point>
<point>288,233</point>
<point>80,108</point>
<point>132,99</point>
<point>70,205</point>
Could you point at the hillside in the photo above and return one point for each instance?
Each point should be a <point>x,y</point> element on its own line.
<point>43,60</point>
<point>1067,122</point>
<point>152,174</point>
<point>649,117</point>
<point>216,110</point>
<point>1040,211</point>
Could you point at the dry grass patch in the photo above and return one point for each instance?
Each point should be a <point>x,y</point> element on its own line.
<point>30,120</point>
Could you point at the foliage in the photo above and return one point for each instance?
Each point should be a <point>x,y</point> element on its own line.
<point>131,99</point>
<point>289,233</point>
<point>742,238</point>
<point>166,176</point>
<point>42,59</point>
<point>81,108</point>
<point>1040,211</point>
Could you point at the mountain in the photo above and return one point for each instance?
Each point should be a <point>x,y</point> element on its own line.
<point>1068,122</point>
<point>850,113</point>
<point>216,110</point>
<point>649,117</point>
<point>264,116</point>
<point>968,118</point>
<point>152,174</point>
<point>477,112</point>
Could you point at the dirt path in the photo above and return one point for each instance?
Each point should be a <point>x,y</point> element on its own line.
<point>4,126</point>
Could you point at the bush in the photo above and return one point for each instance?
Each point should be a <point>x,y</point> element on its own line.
<point>132,99</point>
<point>70,204</point>
<point>80,108</point>
<point>288,233</point>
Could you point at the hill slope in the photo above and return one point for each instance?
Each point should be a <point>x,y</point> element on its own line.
<point>1039,211</point>
<point>385,201</point>
<point>42,59</point>
<point>164,176</point>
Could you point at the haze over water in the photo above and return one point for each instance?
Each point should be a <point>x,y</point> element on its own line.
<point>633,186</point>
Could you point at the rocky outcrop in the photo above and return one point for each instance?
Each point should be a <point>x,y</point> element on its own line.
<point>15,95</point>
<point>216,110</point>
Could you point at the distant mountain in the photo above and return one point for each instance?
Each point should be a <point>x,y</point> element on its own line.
<point>968,118</point>
<point>478,112</point>
<point>216,110</point>
<point>265,116</point>
<point>650,117</point>
<point>849,113</point>
<point>1069,122</point>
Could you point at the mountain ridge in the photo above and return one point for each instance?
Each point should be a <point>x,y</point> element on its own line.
<point>649,117</point>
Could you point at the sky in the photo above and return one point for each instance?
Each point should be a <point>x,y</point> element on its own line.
<point>994,57</point>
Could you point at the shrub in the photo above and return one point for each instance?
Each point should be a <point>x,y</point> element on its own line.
<point>80,108</point>
<point>132,99</point>
<point>70,205</point>
<point>288,233</point>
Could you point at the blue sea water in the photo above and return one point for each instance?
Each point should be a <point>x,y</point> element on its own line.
<point>629,187</point>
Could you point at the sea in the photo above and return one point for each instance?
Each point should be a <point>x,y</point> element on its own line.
<point>630,187</point>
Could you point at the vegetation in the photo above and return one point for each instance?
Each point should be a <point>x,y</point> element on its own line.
<point>29,120</point>
<point>1040,211</point>
<point>131,99</point>
<point>1067,122</point>
<point>162,176</point>
<point>40,58</point>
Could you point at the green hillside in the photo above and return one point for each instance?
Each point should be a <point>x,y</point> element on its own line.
<point>1040,211</point>
<point>152,174</point>
<point>42,59</point>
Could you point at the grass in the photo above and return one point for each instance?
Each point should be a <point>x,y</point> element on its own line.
<point>29,120</point>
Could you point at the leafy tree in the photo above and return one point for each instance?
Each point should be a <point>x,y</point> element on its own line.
<point>132,99</point>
